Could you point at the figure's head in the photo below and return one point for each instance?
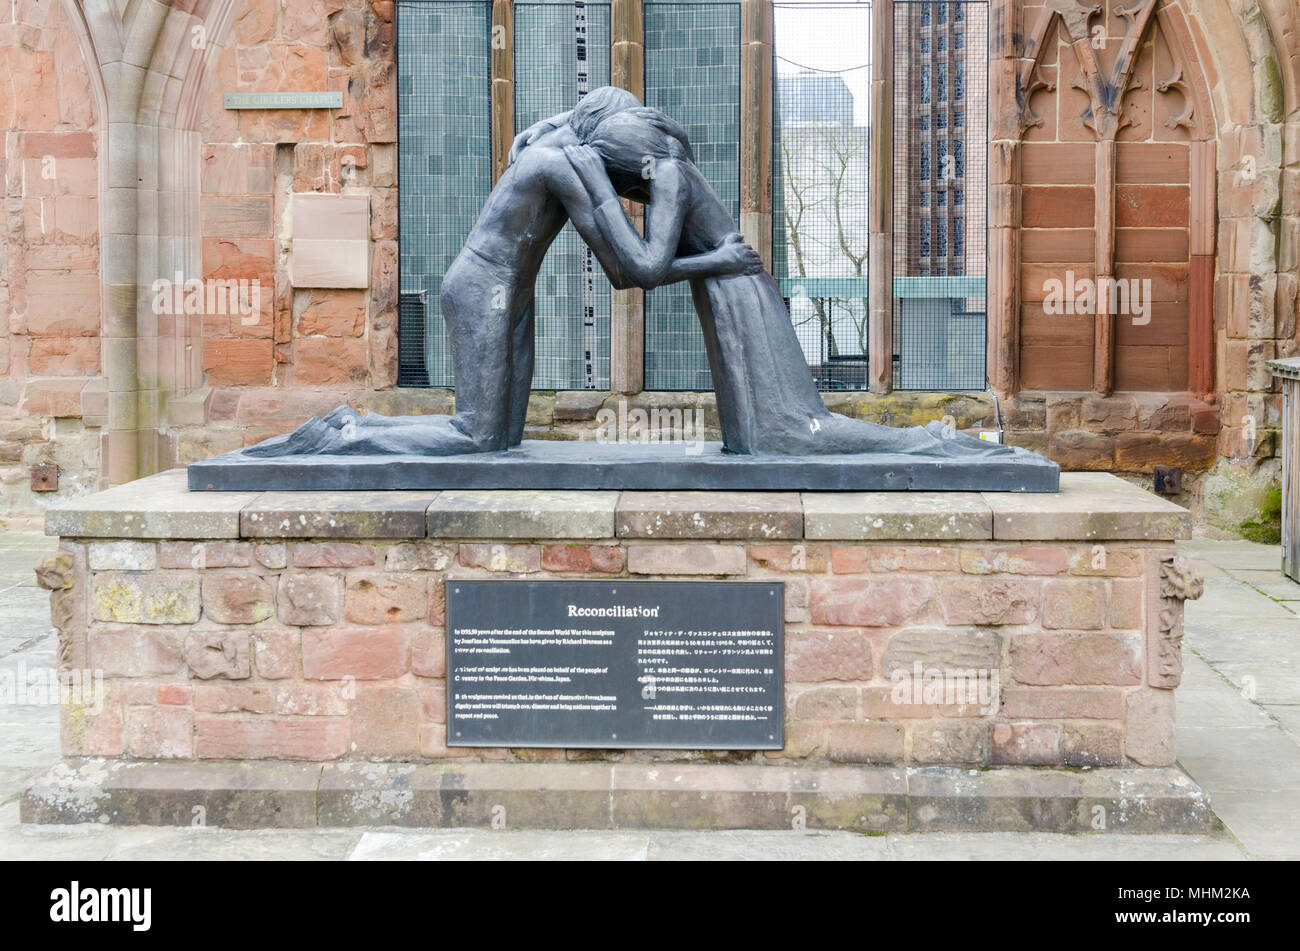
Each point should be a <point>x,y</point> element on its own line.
<point>630,141</point>
<point>597,106</point>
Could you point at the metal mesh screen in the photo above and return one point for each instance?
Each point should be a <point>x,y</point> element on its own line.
<point>820,174</point>
<point>412,348</point>
<point>444,151</point>
<point>562,50</point>
<point>692,72</point>
<point>940,194</point>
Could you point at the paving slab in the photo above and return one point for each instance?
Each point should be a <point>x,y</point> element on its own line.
<point>143,843</point>
<point>1004,846</point>
<point>1255,759</point>
<point>1236,553</point>
<point>86,843</point>
<point>1287,716</point>
<point>1226,597</point>
<point>502,845</point>
<point>1269,582</point>
<point>1263,822</point>
<point>1261,682</point>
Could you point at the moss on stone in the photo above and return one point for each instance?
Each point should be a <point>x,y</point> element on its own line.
<point>1267,527</point>
<point>1270,89</point>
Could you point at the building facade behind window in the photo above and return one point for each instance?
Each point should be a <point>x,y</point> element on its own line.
<point>820,181</point>
<point>940,175</point>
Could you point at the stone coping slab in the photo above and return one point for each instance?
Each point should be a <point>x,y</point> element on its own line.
<point>335,515</point>
<point>278,794</point>
<point>1089,506</point>
<point>665,466</point>
<point>527,514</point>
<point>158,506</point>
<point>770,515</point>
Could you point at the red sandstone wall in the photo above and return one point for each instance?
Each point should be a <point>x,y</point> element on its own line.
<point>315,348</point>
<point>49,252</point>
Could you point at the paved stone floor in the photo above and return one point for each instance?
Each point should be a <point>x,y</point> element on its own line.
<point>1238,735</point>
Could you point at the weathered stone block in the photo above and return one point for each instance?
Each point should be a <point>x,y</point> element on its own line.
<point>989,601</point>
<point>817,656</point>
<point>159,506</point>
<point>949,649</point>
<point>1067,658</point>
<point>1092,744</point>
<point>1089,507</point>
<point>275,654</point>
<point>1084,703</point>
<point>687,559</point>
<point>331,555</point>
<point>1149,727</point>
<point>124,556</point>
<point>237,599</point>
<point>874,602</point>
<point>876,742</point>
<point>827,703</point>
<point>1016,561</point>
<point>199,555</point>
<point>1025,744</point>
<point>336,515</point>
<point>1074,605</point>
<point>134,651</point>
<point>366,654</point>
<point>160,732</point>
<point>760,515</point>
<point>896,515</point>
<point>584,559</point>
<point>513,559</point>
<point>137,598</point>
<point>419,556</point>
<point>386,721</point>
<point>950,741</point>
<point>218,654</point>
<point>377,597</point>
<point>522,514</point>
<point>309,598</point>
<point>240,737</point>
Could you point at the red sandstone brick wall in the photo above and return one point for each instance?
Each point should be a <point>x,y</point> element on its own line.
<point>49,253</point>
<point>322,650</point>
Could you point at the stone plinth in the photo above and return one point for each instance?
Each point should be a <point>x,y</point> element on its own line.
<point>970,631</point>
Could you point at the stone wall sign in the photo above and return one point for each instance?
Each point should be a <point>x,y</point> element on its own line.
<point>615,664</point>
<point>283,100</point>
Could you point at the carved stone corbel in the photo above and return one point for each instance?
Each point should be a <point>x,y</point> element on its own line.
<point>57,574</point>
<point>1179,582</point>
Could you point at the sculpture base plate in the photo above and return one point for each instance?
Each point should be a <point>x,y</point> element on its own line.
<point>548,464</point>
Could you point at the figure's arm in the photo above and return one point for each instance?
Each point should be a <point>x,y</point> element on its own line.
<point>651,262</point>
<point>536,131</point>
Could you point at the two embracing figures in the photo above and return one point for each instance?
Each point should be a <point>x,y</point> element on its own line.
<point>575,167</point>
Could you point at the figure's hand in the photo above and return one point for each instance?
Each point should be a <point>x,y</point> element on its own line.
<point>521,142</point>
<point>591,170</point>
<point>535,132</point>
<point>736,253</point>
